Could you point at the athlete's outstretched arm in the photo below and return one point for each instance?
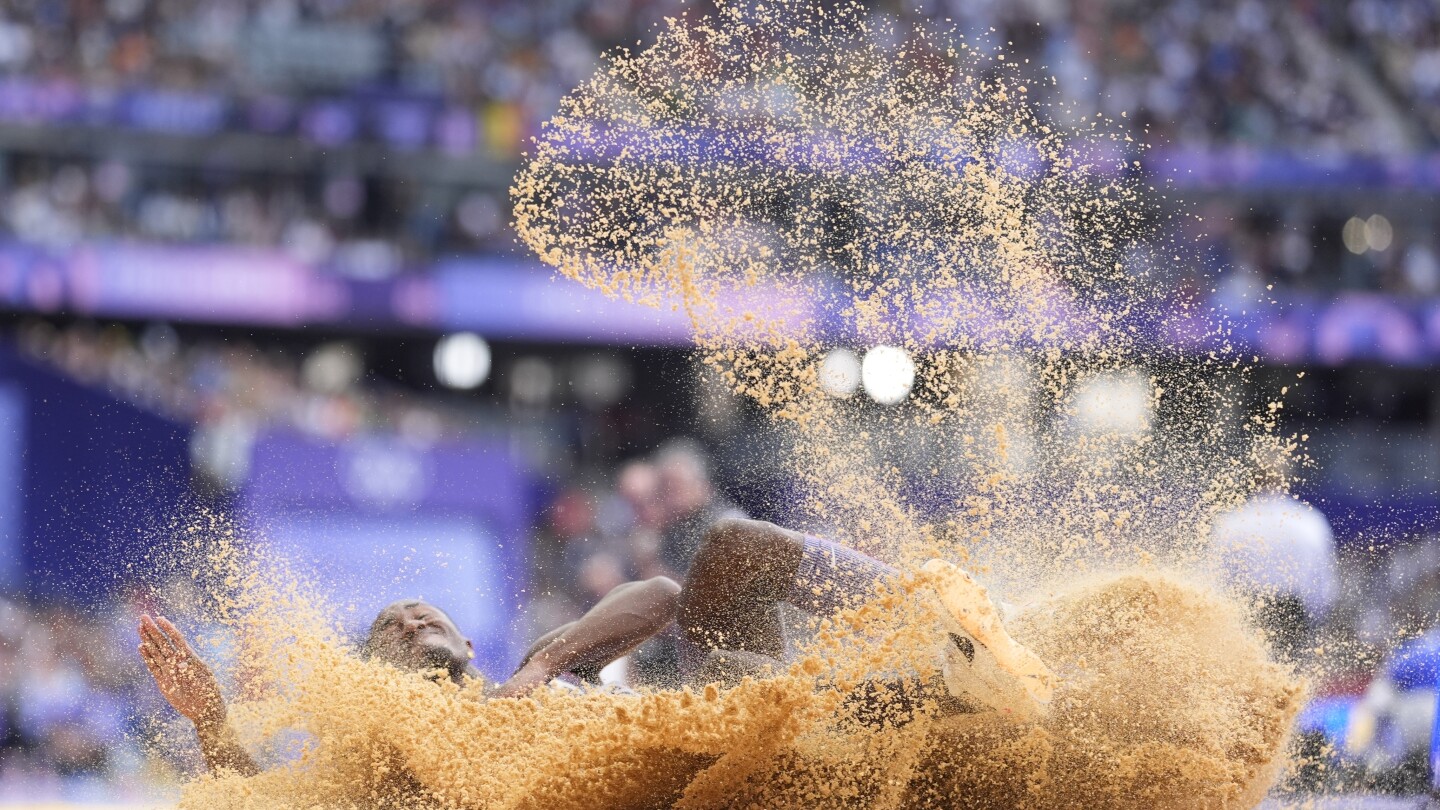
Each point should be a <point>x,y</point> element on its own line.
<point>627,616</point>
<point>189,685</point>
<point>742,570</point>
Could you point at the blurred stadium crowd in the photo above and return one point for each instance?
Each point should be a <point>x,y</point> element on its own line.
<point>71,704</point>
<point>373,137</point>
<point>239,384</point>
<point>362,228</point>
<point>1286,247</point>
<point>1357,74</point>
<point>1351,77</point>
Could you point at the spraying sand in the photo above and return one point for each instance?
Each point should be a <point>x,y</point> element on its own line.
<point>784,153</point>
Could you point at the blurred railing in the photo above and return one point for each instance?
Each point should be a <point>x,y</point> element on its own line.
<point>452,142</point>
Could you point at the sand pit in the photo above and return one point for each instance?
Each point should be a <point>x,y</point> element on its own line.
<point>1168,700</point>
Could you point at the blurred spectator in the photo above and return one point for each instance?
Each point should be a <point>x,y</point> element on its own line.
<point>647,523</point>
<point>67,703</point>
<point>637,489</point>
<point>689,503</point>
<point>631,519</point>
<point>558,553</point>
<point>1389,730</point>
<point>1280,551</point>
<point>627,532</point>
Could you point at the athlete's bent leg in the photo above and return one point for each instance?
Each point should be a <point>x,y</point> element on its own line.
<point>741,572</point>
<point>745,568</point>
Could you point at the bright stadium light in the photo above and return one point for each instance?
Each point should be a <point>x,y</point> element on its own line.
<point>1378,233</point>
<point>840,373</point>
<point>1115,403</point>
<point>462,360</point>
<point>1353,235</point>
<point>887,372</point>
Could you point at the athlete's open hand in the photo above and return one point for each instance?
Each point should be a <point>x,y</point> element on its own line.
<point>183,678</point>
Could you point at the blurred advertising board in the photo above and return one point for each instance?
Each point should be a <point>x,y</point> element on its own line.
<point>512,298</point>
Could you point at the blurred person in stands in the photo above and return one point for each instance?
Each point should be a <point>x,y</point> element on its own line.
<point>637,516</point>
<point>625,544</point>
<point>689,503</point>
<point>1390,729</point>
<point>625,540</point>
<point>686,507</point>
<point>1280,551</point>
<point>558,553</point>
<point>638,486</point>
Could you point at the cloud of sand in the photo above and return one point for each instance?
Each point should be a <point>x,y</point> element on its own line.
<point>798,177</point>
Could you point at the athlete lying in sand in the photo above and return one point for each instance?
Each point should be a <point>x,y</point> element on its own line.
<point>416,636</point>
<point>727,612</point>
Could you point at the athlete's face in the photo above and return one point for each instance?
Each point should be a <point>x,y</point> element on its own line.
<point>416,635</point>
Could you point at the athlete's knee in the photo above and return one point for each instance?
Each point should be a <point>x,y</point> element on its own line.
<point>737,541</point>
<point>741,559</point>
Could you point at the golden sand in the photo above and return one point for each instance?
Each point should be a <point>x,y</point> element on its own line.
<point>736,169</point>
<point>1167,700</point>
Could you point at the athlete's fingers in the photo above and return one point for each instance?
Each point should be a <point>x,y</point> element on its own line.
<point>158,670</point>
<point>165,656</point>
<point>158,663</point>
<point>169,629</point>
<point>181,656</point>
<point>187,655</point>
<point>175,636</point>
<point>162,660</point>
<point>152,641</point>
<point>151,632</point>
